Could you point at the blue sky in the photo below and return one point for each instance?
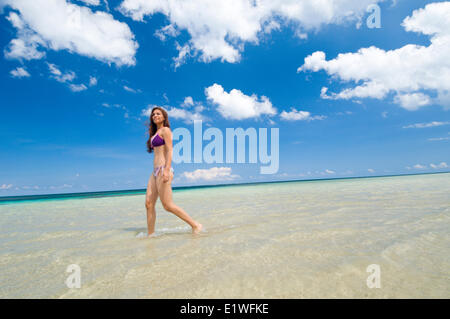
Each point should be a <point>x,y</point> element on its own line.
<point>73,100</point>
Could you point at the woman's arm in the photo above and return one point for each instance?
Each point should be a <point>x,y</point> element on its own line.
<point>167,136</point>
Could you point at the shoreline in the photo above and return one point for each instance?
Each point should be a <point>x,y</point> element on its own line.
<point>113,193</point>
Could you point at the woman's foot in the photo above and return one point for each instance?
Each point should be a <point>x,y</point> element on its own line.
<point>197,228</point>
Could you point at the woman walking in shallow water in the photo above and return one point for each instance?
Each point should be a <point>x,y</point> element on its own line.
<point>160,181</point>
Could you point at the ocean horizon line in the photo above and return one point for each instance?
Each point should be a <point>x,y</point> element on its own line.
<point>127,192</point>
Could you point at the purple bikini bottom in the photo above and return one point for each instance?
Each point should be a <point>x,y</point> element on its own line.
<point>158,169</point>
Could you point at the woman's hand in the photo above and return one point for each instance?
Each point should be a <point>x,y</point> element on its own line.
<point>166,174</point>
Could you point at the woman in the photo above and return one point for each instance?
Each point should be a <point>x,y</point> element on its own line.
<point>159,183</point>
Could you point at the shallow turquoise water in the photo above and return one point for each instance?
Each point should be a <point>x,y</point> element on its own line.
<point>308,239</point>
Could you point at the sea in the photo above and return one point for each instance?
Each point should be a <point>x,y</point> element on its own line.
<point>377,237</point>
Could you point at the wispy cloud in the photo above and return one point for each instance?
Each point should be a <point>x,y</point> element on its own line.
<point>60,186</point>
<point>425,125</point>
<point>431,165</point>
<point>296,115</point>
<point>117,106</point>
<point>91,2</point>
<point>77,87</point>
<point>30,187</point>
<point>440,165</point>
<point>186,116</point>
<point>127,88</point>
<point>214,173</point>
<point>60,76</point>
<point>19,72</point>
<point>439,138</point>
<point>167,31</point>
<point>183,113</point>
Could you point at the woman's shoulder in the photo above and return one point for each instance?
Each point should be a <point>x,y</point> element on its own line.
<point>165,130</point>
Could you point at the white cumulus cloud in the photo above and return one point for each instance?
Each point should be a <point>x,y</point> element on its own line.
<point>188,101</point>
<point>412,101</point>
<point>60,25</point>
<point>187,116</point>
<point>220,29</point>
<point>236,105</point>
<point>413,73</point>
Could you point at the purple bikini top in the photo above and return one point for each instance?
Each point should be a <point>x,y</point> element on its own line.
<point>157,141</point>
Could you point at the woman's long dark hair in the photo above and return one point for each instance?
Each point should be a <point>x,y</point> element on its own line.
<point>152,126</point>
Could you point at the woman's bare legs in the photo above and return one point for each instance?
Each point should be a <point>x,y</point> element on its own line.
<point>165,194</point>
<point>150,201</point>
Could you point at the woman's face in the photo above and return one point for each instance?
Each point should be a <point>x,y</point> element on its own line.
<point>157,117</point>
